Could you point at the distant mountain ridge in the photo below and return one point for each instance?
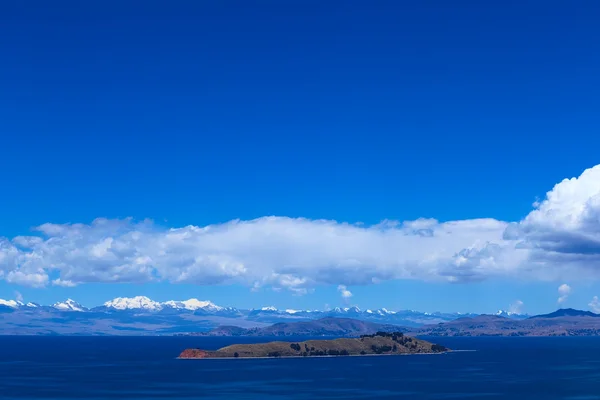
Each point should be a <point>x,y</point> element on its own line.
<point>141,315</point>
<point>69,305</point>
<point>567,312</point>
<point>511,314</point>
<point>328,326</point>
<point>563,322</point>
<point>268,314</point>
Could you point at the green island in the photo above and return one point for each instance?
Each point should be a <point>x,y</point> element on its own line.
<point>388,343</point>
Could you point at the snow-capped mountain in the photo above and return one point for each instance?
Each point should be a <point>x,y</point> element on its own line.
<point>382,315</point>
<point>10,303</point>
<point>267,314</point>
<point>15,304</point>
<point>143,303</point>
<point>193,305</point>
<point>133,303</point>
<point>381,311</point>
<point>69,305</point>
<point>510,314</point>
<point>140,314</point>
<point>346,310</point>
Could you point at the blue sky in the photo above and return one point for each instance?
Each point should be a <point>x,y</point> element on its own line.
<point>197,114</point>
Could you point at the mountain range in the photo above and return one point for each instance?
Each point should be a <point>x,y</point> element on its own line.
<point>141,315</point>
<point>327,326</point>
<point>563,322</point>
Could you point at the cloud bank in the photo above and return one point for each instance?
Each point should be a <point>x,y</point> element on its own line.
<point>559,239</point>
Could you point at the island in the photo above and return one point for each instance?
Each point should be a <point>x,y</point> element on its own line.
<point>380,343</point>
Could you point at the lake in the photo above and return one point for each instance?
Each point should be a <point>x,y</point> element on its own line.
<point>146,368</point>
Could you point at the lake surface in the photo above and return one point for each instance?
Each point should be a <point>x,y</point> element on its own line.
<point>146,368</point>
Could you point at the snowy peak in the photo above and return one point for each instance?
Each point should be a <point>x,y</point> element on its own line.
<point>345,310</point>
<point>17,304</point>
<point>270,310</point>
<point>510,314</point>
<point>193,305</point>
<point>504,313</point>
<point>10,303</point>
<point>68,305</point>
<point>380,312</point>
<point>133,303</point>
<point>147,304</point>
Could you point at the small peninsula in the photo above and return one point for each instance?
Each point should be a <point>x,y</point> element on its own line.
<point>391,343</point>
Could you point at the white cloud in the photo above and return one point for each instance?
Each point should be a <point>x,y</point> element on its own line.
<point>63,283</point>
<point>564,228</point>
<point>559,239</point>
<point>280,252</point>
<point>33,279</point>
<point>595,305</point>
<point>564,291</point>
<point>344,292</point>
<point>516,307</point>
<point>18,296</point>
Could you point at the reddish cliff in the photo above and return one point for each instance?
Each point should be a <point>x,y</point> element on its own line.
<point>194,353</point>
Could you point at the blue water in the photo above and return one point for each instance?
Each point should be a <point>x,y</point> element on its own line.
<point>146,368</point>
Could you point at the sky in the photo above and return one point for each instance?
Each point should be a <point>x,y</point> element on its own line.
<point>302,154</point>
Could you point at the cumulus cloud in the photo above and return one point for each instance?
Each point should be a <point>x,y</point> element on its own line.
<point>565,226</point>
<point>344,292</point>
<point>559,239</point>
<point>516,307</point>
<point>595,305</point>
<point>564,291</point>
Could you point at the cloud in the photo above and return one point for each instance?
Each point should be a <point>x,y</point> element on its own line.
<point>564,291</point>
<point>516,307</point>
<point>286,253</point>
<point>558,240</point>
<point>32,279</point>
<point>595,305</point>
<point>18,296</point>
<point>344,292</point>
<point>565,226</point>
<point>63,283</point>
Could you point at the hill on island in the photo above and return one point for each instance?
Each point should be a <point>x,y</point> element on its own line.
<point>392,343</point>
<point>322,327</point>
